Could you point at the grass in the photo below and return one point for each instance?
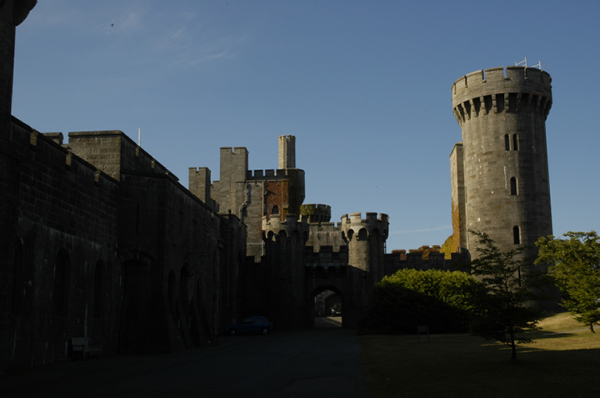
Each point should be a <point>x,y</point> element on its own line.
<point>564,360</point>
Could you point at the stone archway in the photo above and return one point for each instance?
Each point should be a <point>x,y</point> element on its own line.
<point>325,307</point>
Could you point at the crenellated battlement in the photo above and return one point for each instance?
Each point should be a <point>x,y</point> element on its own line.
<point>493,91</point>
<point>492,80</point>
<point>258,175</point>
<point>355,222</point>
<point>317,213</point>
<point>238,150</point>
<point>401,260</point>
<point>291,223</point>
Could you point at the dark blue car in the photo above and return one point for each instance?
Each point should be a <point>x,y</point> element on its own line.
<point>251,324</point>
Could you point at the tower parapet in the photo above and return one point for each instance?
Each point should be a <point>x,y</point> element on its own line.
<point>355,223</point>
<point>490,91</point>
<point>316,213</point>
<point>290,224</point>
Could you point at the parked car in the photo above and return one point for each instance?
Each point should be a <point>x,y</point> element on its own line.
<point>251,324</point>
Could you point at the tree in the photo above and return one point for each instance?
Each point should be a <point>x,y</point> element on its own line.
<point>401,302</point>
<point>455,288</point>
<point>576,272</point>
<point>504,310</point>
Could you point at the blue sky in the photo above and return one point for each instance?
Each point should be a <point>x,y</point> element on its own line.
<point>364,87</point>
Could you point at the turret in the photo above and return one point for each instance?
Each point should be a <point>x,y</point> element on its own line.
<point>284,242</point>
<point>287,152</point>
<point>366,248</point>
<point>500,172</point>
<point>366,242</point>
<point>290,225</point>
<point>316,213</point>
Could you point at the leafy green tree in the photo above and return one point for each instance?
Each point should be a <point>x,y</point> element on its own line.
<point>455,288</point>
<point>410,298</point>
<point>576,272</point>
<point>504,310</point>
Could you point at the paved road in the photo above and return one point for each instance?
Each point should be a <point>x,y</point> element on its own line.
<point>322,362</point>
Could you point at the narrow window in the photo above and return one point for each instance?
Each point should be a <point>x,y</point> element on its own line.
<point>513,186</point>
<point>275,210</point>
<point>515,142</point>
<point>516,235</point>
<point>506,142</point>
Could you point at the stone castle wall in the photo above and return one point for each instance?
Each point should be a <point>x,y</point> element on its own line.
<point>64,230</point>
<point>137,263</point>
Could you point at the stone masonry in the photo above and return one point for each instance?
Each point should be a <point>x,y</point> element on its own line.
<point>500,182</point>
<point>99,240</point>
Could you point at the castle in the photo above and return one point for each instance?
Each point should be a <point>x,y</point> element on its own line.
<point>99,240</point>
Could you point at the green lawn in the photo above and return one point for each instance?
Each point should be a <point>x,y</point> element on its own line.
<point>563,361</point>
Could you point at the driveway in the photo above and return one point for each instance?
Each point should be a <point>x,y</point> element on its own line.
<point>317,362</point>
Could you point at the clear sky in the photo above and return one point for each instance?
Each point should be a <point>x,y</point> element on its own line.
<point>363,85</point>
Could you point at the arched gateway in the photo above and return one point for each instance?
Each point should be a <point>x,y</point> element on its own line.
<point>298,267</point>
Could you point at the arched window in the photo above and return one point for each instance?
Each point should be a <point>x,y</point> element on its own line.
<point>275,210</point>
<point>517,235</point>
<point>97,306</point>
<point>513,186</point>
<point>515,142</point>
<point>363,234</point>
<point>506,142</point>
<point>60,300</point>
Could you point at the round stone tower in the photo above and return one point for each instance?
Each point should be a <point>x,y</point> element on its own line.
<point>284,242</point>
<point>366,242</point>
<point>500,171</point>
<point>366,248</point>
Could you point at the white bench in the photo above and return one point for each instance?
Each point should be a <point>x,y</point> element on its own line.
<point>82,345</point>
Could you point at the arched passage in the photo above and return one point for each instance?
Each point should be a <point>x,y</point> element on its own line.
<point>326,305</point>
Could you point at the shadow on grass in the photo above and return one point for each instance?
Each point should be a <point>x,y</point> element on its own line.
<point>462,365</point>
<point>547,334</point>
